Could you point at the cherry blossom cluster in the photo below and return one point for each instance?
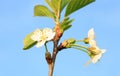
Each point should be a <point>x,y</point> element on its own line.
<point>44,35</point>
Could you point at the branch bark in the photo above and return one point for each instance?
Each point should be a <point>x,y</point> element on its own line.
<point>51,66</point>
<point>55,48</point>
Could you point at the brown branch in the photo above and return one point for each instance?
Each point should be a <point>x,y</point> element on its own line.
<point>55,48</point>
<point>51,66</point>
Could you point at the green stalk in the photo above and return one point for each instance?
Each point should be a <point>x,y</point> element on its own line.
<point>79,40</point>
<point>77,45</point>
<point>80,49</point>
<point>46,47</point>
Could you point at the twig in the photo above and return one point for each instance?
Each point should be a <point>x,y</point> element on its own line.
<point>51,66</point>
<point>55,49</point>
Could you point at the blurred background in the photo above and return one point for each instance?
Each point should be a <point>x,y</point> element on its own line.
<point>17,20</point>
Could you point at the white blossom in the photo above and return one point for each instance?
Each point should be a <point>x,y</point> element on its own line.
<point>95,52</point>
<point>48,33</point>
<point>36,35</point>
<point>97,57</point>
<point>41,36</point>
<point>91,34</point>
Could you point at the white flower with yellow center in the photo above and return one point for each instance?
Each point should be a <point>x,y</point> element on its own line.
<point>95,52</point>
<point>41,36</point>
<point>97,57</point>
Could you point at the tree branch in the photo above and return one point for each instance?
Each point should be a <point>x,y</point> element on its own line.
<point>55,51</point>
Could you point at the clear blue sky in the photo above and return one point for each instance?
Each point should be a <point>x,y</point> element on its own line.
<point>16,21</point>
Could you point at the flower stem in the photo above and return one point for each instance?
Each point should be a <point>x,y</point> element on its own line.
<point>79,41</point>
<point>80,49</point>
<point>55,51</point>
<point>46,47</point>
<point>51,67</point>
<point>77,45</point>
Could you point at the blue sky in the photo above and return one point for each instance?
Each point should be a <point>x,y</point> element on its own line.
<point>16,21</point>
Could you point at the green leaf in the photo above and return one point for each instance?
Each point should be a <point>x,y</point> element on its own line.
<point>54,4</point>
<point>40,10</point>
<point>63,4</point>
<point>57,5</point>
<point>66,24</point>
<point>67,27</point>
<point>67,21</point>
<point>75,5</point>
<point>50,4</point>
<point>28,42</point>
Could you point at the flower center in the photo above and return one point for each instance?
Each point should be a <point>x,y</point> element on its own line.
<point>94,50</point>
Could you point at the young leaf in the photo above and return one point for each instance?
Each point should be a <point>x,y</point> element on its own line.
<point>66,24</point>
<point>75,5</point>
<point>28,42</point>
<point>40,10</point>
<point>67,27</point>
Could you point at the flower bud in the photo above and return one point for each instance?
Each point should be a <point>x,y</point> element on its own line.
<point>66,44</point>
<point>71,40</point>
<point>63,45</point>
<point>86,40</point>
<point>48,57</point>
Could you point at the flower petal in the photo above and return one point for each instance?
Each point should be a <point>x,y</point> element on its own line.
<point>48,33</point>
<point>36,35</point>
<point>88,62</point>
<point>51,36</point>
<point>91,34</point>
<point>103,51</point>
<point>40,43</point>
<point>92,43</point>
<point>96,58</point>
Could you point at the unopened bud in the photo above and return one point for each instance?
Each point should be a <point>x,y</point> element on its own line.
<point>64,44</point>
<point>71,40</point>
<point>48,57</point>
<point>86,40</point>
